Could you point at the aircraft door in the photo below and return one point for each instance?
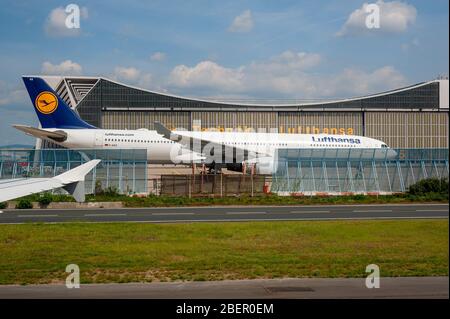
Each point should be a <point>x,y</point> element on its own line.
<point>98,139</point>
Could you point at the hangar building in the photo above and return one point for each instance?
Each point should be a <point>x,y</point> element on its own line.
<point>416,116</point>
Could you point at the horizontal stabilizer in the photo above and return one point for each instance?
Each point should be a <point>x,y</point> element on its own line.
<point>58,136</point>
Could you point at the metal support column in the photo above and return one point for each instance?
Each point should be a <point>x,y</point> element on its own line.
<point>400,177</point>
<point>325,175</point>
<point>313,177</point>
<point>350,176</point>
<point>375,176</point>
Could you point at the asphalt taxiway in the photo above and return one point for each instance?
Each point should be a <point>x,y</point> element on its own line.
<point>324,288</point>
<point>227,213</point>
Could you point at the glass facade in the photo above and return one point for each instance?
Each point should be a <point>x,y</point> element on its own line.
<point>90,107</point>
<point>422,97</point>
<point>125,170</point>
<point>312,171</point>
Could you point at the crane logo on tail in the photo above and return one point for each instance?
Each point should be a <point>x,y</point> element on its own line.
<point>46,102</point>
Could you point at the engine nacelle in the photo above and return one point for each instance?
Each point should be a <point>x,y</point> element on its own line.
<point>263,165</point>
<point>235,167</point>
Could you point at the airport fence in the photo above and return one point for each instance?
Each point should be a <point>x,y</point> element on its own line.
<point>123,170</point>
<point>214,185</point>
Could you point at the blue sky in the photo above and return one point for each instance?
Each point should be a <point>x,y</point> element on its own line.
<point>225,49</point>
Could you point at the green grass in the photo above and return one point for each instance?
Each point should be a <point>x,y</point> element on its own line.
<point>272,199</point>
<point>126,252</point>
<point>158,201</point>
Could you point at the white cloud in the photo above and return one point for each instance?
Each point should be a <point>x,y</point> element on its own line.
<point>126,74</point>
<point>132,76</point>
<point>66,67</point>
<point>55,24</point>
<point>395,17</point>
<point>207,74</point>
<point>287,75</point>
<point>354,82</point>
<point>158,56</point>
<point>242,23</point>
<point>145,81</point>
<point>288,61</point>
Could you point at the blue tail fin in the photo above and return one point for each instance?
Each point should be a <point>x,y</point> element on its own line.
<point>51,110</point>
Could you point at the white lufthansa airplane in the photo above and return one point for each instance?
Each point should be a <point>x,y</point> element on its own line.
<point>61,125</point>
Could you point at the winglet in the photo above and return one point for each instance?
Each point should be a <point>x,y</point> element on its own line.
<point>165,132</point>
<point>74,179</point>
<point>77,174</point>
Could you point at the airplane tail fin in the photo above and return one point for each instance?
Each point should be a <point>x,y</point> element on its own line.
<point>51,110</point>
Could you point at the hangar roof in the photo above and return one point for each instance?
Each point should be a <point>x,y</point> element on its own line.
<point>429,95</point>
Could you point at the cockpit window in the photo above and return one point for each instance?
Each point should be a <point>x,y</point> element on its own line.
<point>384,145</point>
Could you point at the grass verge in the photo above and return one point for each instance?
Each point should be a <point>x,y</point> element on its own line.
<point>124,252</point>
<point>271,199</point>
<point>166,201</point>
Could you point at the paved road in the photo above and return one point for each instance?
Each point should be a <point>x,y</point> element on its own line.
<point>227,213</point>
<point>401,287</point>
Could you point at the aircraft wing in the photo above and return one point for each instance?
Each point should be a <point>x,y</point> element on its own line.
<point>15,188</point>
<point>191,157</point>
<point>59,136</point>
<point>188,142</point>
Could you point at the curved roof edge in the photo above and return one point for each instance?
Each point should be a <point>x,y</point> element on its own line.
<point>444,102</point>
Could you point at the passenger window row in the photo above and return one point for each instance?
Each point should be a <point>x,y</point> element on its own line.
<point>333,145</point>
<point>136,141</point>
<point>257,144</point>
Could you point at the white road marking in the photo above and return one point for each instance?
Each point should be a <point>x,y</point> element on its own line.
<point>276,219</point>
<point>431,210</point>
<point>373,211</point>
<point>308,211</point>
<point>25,216</point>
<point>241,220</point>
<point>169,214</point>
<point>245,213</point>
<point>101,215</point>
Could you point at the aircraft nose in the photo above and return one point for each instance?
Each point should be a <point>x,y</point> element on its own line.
<point>391,153</point>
